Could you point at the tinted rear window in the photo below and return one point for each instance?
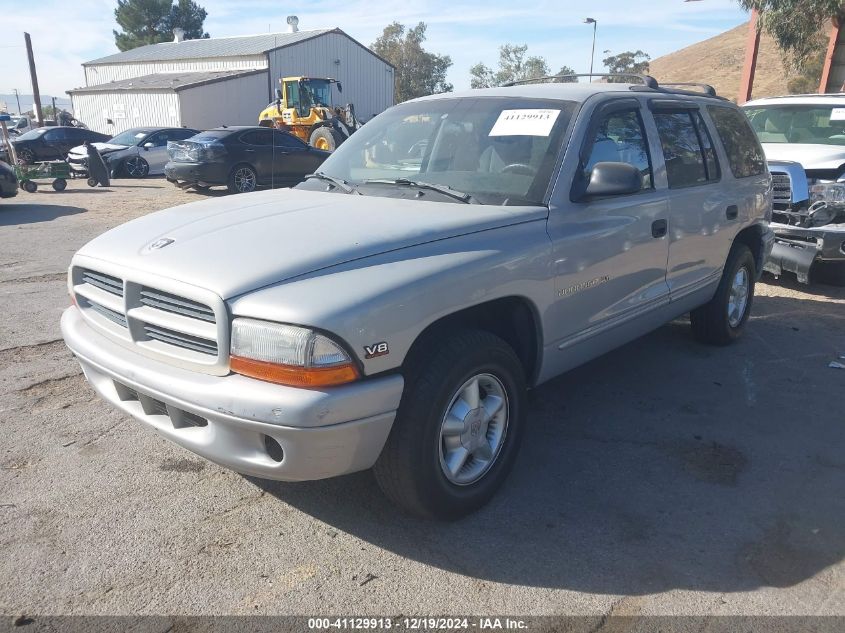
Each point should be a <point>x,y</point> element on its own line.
<point>741,145</point>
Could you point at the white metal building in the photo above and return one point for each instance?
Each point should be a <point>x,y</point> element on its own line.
<point>224,81</point>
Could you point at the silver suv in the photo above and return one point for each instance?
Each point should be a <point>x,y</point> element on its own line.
<point>391,311</point>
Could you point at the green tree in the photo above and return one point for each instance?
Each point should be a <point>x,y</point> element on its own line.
<point>795,24</point>
<point>418,72</point>
<point>627,62</point>
<point>513,66</point>
<point>152,21</point>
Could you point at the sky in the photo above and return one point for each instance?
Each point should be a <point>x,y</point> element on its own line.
<point>469,31</point>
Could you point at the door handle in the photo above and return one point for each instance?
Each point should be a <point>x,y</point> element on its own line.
<point>732,212</point>
<point>658,228</point>
<point>250,151</point>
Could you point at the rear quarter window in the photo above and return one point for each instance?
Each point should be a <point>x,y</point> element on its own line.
<point>745,155</point>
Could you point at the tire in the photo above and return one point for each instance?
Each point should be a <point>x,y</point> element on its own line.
<point>136,167</point>
<point>413,468</point>
<point>29,186</point>
<point>722,320</point>
<point>325,138</point>
<point>242,179</point>
<point>92,182</point>
<point>25,156</point>
<point>60,184</point>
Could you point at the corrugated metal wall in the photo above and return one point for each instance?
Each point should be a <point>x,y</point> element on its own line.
<point>231,102</point>
<point>126,110</point>
<point>104,73</point>
<point>367,81</point>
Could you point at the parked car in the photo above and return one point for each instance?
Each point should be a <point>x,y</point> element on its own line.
<point>20,125</point>
<point>50,143</point>
<point>8,181</point>
<point>136,153</point>
<point>803,137</point>
<point>242,158</point>
<point>391,311</point>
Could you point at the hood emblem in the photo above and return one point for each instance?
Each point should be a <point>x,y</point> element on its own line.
<point>160,243</point>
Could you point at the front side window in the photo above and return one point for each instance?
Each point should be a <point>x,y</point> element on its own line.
<point>682,151</point>
<point>498,150</point>
<point>745,155</point>
<point>620,138</point>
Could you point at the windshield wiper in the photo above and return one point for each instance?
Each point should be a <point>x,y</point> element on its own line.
<point>446,190</point>
<point>337,182</point>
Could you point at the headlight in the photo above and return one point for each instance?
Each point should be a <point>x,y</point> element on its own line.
<point>832,193</point>
<point>288,355</point>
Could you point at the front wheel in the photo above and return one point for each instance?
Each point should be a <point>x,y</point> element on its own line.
<point>458,428</point>
<point>29,186</point>
<point>243,179</point>
<point>325,138</point>
<point>722,320</point>
<point>136,167</point>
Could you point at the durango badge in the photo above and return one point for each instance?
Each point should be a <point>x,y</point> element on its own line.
<point>376,349</point>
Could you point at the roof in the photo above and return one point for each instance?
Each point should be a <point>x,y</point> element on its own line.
<point>241,45</point>
<point>167,81</point>
<point>577,92</point>
<point>834,99</point>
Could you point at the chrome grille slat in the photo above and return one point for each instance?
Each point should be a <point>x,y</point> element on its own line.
<point>111,315</point>
<point>103,282</point>
<point>179,339</point>
<point>179,305</point>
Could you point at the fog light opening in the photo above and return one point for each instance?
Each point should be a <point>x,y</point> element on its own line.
<point>274,449</point>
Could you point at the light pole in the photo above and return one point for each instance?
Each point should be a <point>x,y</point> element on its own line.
<point>18,99</point>
<point>593,52</point>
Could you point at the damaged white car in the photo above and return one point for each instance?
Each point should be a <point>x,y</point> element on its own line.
<point>803,137</point>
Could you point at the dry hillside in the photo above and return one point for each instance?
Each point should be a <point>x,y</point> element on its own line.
<point>718,61</point>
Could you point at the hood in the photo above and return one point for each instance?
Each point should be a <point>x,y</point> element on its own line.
<point>235,244</point>
<point>810,156</point>
<point>103,148</point>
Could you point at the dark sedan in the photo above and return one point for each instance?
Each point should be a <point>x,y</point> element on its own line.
<point>8,181</point>
<point>51,143</point>
<point>242,158</point>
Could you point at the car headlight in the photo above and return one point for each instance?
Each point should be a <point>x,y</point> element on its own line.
<point>832,192</point>
<point>288,355</point>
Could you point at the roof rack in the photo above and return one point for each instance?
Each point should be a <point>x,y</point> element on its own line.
<point>707,89</point>
<point>646,80</point>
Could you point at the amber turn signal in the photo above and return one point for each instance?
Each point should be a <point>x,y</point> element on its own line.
<point>294,376</point>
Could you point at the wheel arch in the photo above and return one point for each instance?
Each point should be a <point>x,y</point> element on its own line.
<point>514,319</point>
<point>752,237</point>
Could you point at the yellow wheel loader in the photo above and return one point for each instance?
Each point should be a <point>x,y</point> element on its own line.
<point>303,107</point>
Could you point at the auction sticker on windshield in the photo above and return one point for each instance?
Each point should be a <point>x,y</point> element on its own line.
<point>533,122</point>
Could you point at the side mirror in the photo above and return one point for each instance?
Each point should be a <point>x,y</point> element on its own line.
<point>149,146</point>
<point>339,87</point>
<point>278,94</point>
<point>613,179</point>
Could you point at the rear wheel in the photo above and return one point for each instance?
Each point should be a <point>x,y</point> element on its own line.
<point>136,167</point>
<point>92,182</point>
<point>60,184</point>
<point>722,319</point>
<point>242,179</point>
<point>458,428</point>
<point>29,186</point>
<point>326,138</point>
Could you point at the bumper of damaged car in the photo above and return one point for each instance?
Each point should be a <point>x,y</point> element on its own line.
<point>796,249</point>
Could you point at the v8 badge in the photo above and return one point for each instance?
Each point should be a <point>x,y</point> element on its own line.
<point>376,349</point>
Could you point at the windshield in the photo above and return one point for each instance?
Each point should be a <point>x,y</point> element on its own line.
<point>31,135</point>
<point>317,92</point>
<point>499,150</point>
<point>793,123</point>
<point>129,137</point>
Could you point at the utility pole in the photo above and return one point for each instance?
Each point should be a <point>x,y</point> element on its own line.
<point>55,116</point>
<point>36,94</point>
<point>18,99</point>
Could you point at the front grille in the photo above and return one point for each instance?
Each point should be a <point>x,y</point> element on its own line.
<point>162,322</point>
<point>111,315</point>
<point>110,284</point>
<point>180,339</point>
<point>782,188</point>
<point>177,305</point>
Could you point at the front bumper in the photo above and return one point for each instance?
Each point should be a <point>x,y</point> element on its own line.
<point>227,419</point>
<point>796,249</point>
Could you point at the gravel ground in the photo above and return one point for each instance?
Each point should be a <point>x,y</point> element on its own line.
<point>663,478</point>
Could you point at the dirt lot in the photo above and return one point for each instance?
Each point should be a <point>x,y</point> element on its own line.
<point>665,477</point>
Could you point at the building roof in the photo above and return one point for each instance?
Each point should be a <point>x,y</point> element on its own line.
<point>242,45</point>
<point>167,81</point>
